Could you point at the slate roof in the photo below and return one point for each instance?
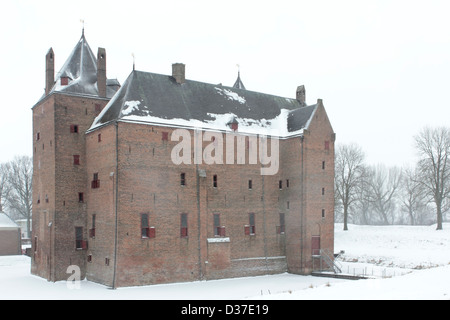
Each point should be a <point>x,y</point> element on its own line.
<point>81,69</point>
<point>155,98</point>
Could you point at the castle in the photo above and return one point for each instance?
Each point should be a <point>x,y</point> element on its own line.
<point>161,179</point>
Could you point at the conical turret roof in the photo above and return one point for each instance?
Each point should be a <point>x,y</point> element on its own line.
<point>79,73</point>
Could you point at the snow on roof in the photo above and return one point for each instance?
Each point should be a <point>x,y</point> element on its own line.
<point>80,73</point>
<point>157,99</point>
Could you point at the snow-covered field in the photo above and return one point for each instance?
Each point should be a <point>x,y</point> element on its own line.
<point>407,263</point>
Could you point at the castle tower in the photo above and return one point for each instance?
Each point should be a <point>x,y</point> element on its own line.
<point>61,117</point>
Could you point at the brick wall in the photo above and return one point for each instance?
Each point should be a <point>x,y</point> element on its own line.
<point>10,242</point>
<point>149,183</point>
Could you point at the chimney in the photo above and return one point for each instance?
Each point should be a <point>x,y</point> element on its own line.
<point>101,72</point>
<point>301,94</point>
<point>49,71</point>
<point>178,72</point>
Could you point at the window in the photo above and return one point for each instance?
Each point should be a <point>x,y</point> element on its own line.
<point>89,258</point>
<point>183,225</point>
<point>165,136</point>
<point>281,227</point>
<point>76,159</point>
<point>146,230</point>
<point>323,213</point>
<point>144,226</point>
<point>80,197</point>
<point>99,137</point>
<point>323,191</point>
<point>280,184</point>
<point>38,136</point>
<point>287,183</point>
<point>323,165</point>
<point>250,228</point>
<point>106,261</point>
<point>250,184</point>
<point>95,182</point>
<point>215,181</point>
<point>92,230</point>
<point>46,198</point>
<point>219,230</point>
<point>73,128</point>
<point>183,179</point>
<point>79,242</point>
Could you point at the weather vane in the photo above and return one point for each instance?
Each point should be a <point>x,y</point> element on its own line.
<point>134,60</point>
<point>82,23</point>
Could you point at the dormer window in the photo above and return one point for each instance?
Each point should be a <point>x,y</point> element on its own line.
<point>233,124</point>
<point>64,81</point>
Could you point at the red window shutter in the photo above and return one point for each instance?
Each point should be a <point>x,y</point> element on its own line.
<point>92,233</point>
<point>151,232</point>
<point>76,159</point>
<point>247,230</point>
<point>72,128</point>
<point>84,244</point>
<point>64,81</point>
<point>95,184</point>
<point>222,231</point>
<point>184,232</point>
<point>165,136</point>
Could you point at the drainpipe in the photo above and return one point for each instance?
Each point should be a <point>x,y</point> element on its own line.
<point>115,200</point>
<point>301,207</point>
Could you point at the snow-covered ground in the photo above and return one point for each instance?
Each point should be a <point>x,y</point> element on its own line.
<point>406,262</point>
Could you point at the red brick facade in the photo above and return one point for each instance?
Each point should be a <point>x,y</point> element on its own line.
<point>112,202</point>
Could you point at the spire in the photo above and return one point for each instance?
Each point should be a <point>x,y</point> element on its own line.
<point>238,84</point>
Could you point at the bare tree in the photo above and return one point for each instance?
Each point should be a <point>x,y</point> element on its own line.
<point>413,197</point>
<point>349,169</point>
<point>383,188</point>
<point>20,174</point>
<point>4,188</point>
<point>363,206</point>
<point>433,146</point>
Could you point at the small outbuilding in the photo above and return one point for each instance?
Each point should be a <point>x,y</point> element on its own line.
<point>10,240</point>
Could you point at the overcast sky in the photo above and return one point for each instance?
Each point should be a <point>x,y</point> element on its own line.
<point>382,68</point>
